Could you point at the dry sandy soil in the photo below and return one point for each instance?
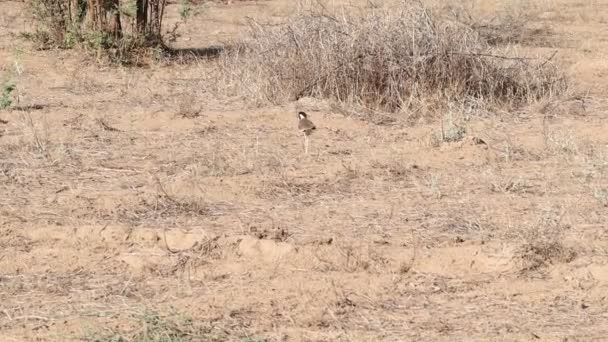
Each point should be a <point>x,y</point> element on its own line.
<point>135,204</point>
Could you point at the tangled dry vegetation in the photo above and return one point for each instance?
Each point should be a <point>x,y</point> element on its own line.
<point>408,58</point>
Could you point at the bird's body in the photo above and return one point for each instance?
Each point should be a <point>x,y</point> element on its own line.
<point>306,127</point>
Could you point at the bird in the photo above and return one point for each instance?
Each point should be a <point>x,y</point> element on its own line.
<point>306,127</point>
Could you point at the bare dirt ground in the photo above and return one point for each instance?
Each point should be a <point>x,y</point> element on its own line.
<point>137,205</point>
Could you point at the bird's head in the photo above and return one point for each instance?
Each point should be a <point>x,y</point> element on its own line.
<point>302,115</point>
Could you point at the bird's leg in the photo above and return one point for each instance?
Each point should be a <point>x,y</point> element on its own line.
<point>305,143</point>
<point>308,143</point>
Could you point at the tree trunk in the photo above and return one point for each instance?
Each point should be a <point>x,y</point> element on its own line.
<point>116,25</point>
<point>142,16</point>
<point>72,8</point>
<point>77,10</point>
<point>93,14</point>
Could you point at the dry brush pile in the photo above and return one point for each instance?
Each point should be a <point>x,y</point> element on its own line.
<point>401,59</point>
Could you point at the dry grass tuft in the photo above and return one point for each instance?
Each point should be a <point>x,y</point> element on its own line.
<point>544,242</point>
<point>537,255</point>
<point>403,59</point>
<point>157,327</point>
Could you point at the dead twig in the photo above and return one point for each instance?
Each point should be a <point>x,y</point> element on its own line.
<point>106,126</point>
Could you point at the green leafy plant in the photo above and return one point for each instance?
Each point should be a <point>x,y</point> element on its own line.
<point>6,99</point>
<point>185,9</point>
